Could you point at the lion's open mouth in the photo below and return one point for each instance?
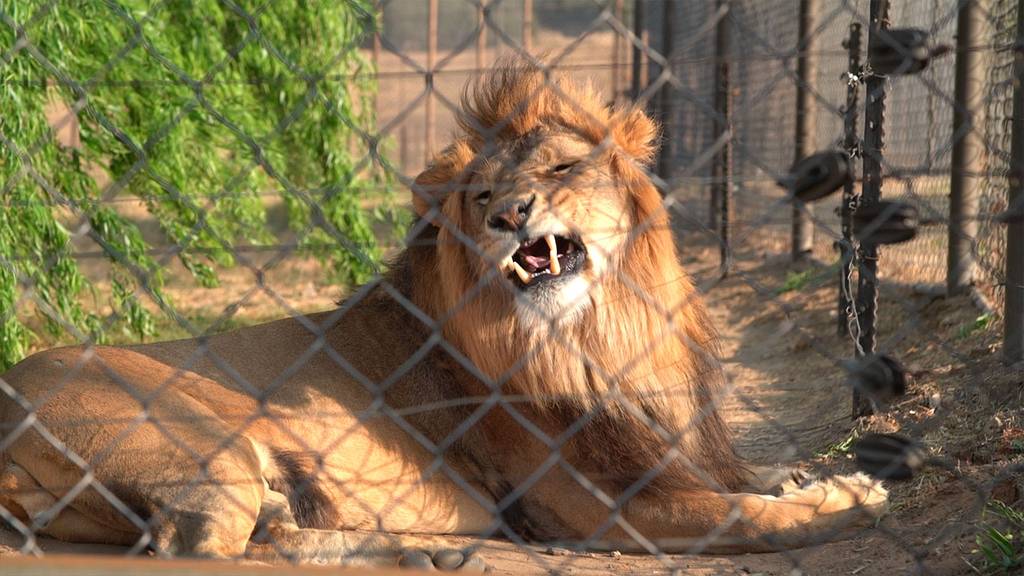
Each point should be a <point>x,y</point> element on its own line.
<point>545,258</point>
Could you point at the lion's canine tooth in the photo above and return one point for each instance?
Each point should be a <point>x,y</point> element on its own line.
<point>554,266</point>
<point>523,274</point>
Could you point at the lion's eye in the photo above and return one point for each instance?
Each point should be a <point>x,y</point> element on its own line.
<point>563,168</point>
<point>483,197</point>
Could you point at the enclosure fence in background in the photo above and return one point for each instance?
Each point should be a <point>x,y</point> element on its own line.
<point>876,146</point>
<point>939,136</point>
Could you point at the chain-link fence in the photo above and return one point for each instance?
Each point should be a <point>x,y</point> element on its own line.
<point>600,344</point>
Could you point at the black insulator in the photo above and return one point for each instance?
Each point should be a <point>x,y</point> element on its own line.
<point>901,51</point>
<point>889,456</point>
<point>885,222</point>
<point>818,175</point>
<point>879,377</point>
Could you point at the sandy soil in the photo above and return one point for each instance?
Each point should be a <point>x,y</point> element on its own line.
<point>788,404</point>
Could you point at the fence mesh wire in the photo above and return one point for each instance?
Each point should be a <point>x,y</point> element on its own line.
<point>787,375</point>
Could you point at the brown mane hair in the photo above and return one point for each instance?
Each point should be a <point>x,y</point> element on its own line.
<point>641,360</point>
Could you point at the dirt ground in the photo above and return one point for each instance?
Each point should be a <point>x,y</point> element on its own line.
<point>788,404</point>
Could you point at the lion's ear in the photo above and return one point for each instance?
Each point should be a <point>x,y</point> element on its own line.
<point>442,177</point>
<point>636,133</point>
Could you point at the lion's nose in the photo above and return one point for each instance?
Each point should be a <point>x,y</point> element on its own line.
<point>512,215</point>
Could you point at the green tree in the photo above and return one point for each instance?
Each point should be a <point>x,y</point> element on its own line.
<point>195,107</point>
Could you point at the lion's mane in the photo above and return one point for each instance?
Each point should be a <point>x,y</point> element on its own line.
<point>639,365</point>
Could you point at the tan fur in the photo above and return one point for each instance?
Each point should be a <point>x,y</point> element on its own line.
<point>433,400</point>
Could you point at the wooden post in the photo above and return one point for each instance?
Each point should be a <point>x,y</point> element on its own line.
<point>803,227</point>
<point>964,185</point>
<point>1013,338</point>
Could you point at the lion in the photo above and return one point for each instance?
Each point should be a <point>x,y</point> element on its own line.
<point>535,364</point>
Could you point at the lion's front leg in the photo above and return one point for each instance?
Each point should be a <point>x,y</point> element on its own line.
<point>278,536</point>
<point>701,520</point>
<point>817,512</point>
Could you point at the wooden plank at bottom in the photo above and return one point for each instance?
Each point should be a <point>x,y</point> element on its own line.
<point>81,565</point>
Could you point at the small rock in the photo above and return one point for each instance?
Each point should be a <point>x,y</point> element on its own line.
<point>1006,491</point>
<point>416,559</point>
<point>474,565</point>
<point>553,551</point>
<point>448,559</point>
<point>615,554</point>
<point>935,400</point>
<point>785,327</point>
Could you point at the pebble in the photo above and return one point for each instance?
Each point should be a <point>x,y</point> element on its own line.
<point>475,565</point>
<point>552,551</point>
<point>934,401</point>
<point>448,559</point>
<point>417,559</point>
<point>615,554</point>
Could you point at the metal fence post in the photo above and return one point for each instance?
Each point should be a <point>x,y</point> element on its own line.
<point>850,196</point>
<point>874,143</point>
<point>967,152</point>
<point>429,112</point>
<point>528,25</point>
<point>721,172</point>
<point>1013,341</point>
<point>715,215</point>
<point>481,38</point>
<point>639,55</point>
<point>803,227</point>
<point>665,94</point>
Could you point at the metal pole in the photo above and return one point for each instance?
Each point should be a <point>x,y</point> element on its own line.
<point>1013,341</point>
<point>378,29</point>
<point>403,148</point>
<point>617,54</point>
<point>639,55</point>
<point>803,227</point>
<point>967,151</point>
<point>528,25</point>
<point>874,143</point>
<point>665,107</point>
<point>481,38</point>
<point>850,196</point>
<point>429,121</point>
<point>721,171</point>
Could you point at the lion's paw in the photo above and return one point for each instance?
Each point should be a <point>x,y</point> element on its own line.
<point>796,479</point>
<point>871,495</point>
<point>446,559</point>
<point>857,493</point>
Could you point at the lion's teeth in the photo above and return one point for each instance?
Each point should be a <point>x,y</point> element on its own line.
<point>554,266</point>
<point>523,274</point>
<point>507,264</point>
